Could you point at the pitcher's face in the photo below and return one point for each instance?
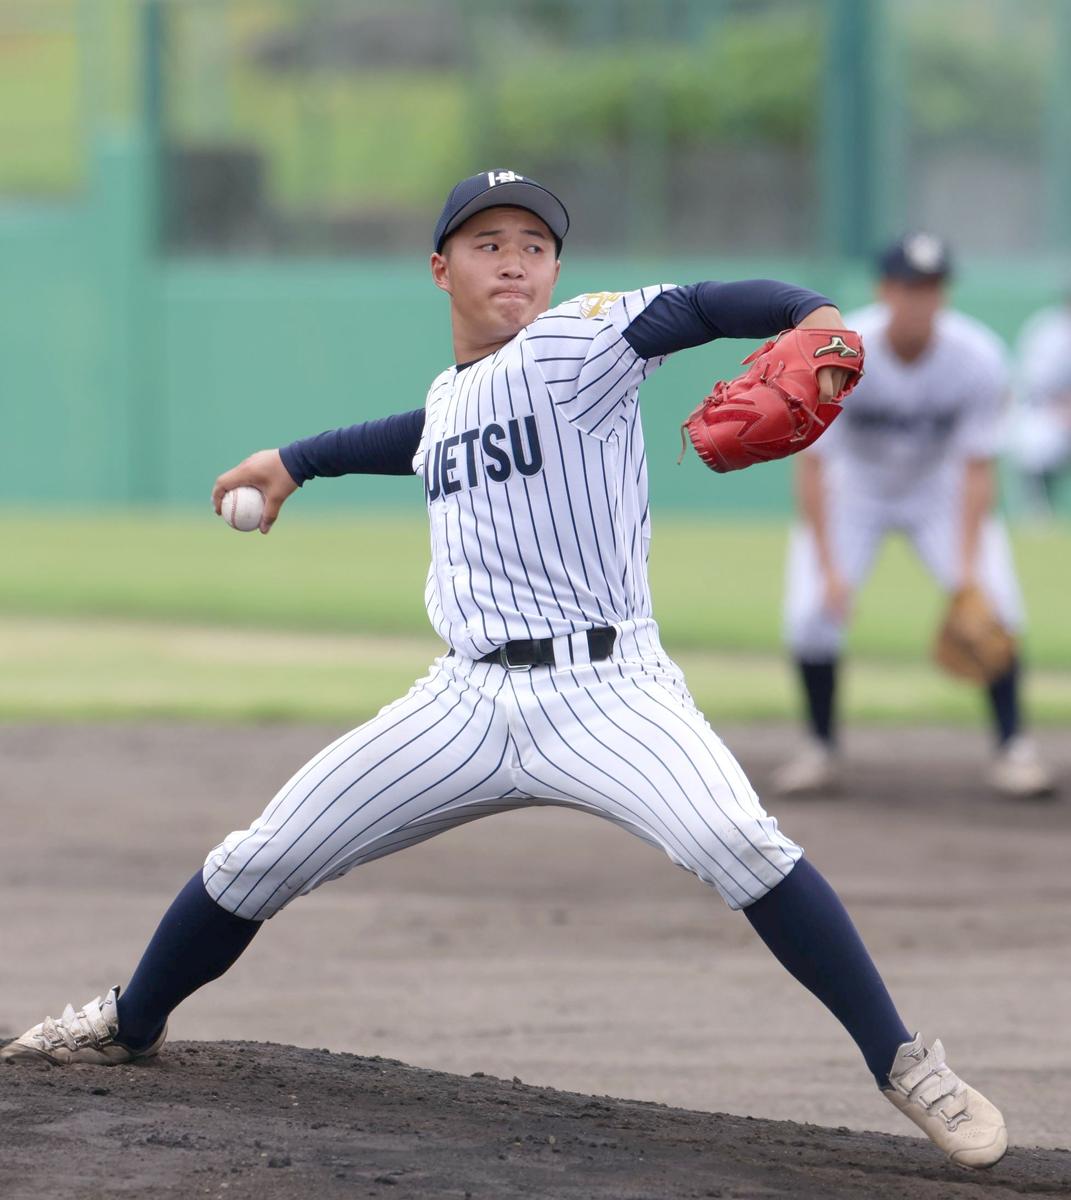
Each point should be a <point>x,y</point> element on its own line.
<point>499,268</point>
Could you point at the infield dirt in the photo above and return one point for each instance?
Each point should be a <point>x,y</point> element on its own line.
<point>244,1120</point>
<point>540,944</point>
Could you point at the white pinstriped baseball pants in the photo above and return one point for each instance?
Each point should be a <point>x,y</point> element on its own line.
<point>621,739</point>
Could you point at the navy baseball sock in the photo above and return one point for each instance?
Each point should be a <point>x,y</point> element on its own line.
<point>195,942</point>
<point>804,924</point>
<point>1004,701</point>
<point>820,688</point>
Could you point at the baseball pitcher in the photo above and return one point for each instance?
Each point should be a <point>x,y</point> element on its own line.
<point>553,687</point>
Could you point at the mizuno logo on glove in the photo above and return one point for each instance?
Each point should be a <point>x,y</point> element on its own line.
<point>838,346</point>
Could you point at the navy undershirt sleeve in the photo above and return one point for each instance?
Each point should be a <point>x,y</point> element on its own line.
<point>700,312</point>
<point>383,447</point>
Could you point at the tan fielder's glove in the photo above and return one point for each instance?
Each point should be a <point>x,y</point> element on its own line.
<point>776,407</point>
<point>972,643</point>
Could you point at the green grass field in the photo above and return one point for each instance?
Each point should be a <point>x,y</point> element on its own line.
<point>166,616</point>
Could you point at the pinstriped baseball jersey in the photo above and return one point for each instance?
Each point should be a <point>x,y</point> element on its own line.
<point>533,468</point>
<point>536,481</point>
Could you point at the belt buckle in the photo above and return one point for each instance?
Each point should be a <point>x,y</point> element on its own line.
<point>503,658</point>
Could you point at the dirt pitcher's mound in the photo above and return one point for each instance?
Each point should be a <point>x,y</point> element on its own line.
<point>241,1119</point>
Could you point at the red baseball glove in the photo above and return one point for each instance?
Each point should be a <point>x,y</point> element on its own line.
<point>776,407</point>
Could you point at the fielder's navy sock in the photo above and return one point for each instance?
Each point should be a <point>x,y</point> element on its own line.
<point>820,688</point>
<point>195,942</point>
<point>1004,702</point>
<point>806,927</point>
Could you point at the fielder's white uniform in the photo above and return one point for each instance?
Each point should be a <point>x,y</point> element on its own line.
<point>893,461</point>
<point>1043,428</point>
<point>534,471</point>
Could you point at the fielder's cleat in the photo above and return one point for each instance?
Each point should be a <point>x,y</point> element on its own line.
<point>954,1116</point>
<point>85,1036</point>
<point>1019,772</point>
<point>815,770</point>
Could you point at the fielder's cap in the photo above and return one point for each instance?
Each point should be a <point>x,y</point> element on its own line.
<point>490,189</point>
<point>915,258</point>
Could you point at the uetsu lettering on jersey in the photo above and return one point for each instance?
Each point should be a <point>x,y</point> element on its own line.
<point>536,481</point>
<point>495,452</point>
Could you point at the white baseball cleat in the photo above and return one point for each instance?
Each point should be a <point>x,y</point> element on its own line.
<point>954,1116</point>
<point>1018,771</point>
<point>85,1036</point>
<point>815,769</point>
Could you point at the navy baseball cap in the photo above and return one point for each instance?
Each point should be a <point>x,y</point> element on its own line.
<point>490,189</point>
<point>916,258</point>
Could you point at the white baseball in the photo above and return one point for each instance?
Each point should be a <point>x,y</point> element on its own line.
<point>242,508</point>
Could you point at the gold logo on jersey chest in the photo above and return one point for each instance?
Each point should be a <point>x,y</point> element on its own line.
<point>594,304</point>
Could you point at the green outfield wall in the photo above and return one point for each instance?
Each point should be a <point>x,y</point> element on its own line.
<point>134,378</point>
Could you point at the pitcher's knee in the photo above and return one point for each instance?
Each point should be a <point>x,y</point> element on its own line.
<point>251,878</point>
<point>746,864</point>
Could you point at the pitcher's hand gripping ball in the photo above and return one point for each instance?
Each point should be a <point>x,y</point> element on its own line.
<point>242,508</point>
<point>776,407</point>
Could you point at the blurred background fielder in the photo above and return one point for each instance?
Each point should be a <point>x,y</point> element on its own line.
<point>1042,442</point>
<point>912,453</point>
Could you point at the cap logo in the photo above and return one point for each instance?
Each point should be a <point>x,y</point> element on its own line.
<point>924,252</point>
<point>494,177</point>
<point>839,347</point>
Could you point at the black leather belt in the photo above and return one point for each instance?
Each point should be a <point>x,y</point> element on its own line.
<point>539,652</point>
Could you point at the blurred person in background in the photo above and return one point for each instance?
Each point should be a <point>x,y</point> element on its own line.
<point>1042,445</point>
<point>913,452</point>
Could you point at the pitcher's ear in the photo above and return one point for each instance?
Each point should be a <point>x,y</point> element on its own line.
<point>440,271</point>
